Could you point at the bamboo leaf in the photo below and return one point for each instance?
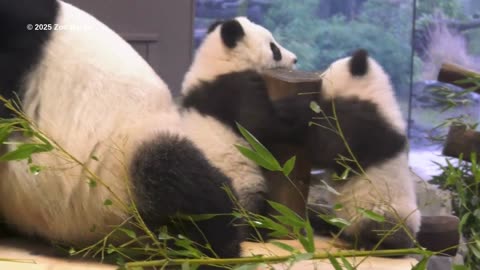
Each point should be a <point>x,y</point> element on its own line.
<point>337,222</point>
<point>35,169</point>
<point>475,250</point>
<point>371,215</point>
<point>199,217</point>
<point>111,249</point>
<point>92,182</point>
<point>463,221</point>
<point>261,150</point>
<point>330,188</point>
<point>255,157</point>
<point>337,207</point>
<point>293,217</point>
<point>289,165</point>
<point>310,237</point>
<point>283,246</point>
<point>5,133</point>
<point>345,174</point>
<point>315,107</point>
<point>107,202</point>
<point>334,262</point>
<point>128,232</point>
<point>24,151</point>
<point>347,264</point>
<point>307,243</point>
<point>422,265</point>
<point>289,221</point>
<point>278,230</point>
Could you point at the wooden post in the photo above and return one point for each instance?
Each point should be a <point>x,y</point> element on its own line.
<point>440,233</point>
<point>283,83</point>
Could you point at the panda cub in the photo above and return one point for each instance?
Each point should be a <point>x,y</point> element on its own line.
<point>91,93</point>
<point>224,85</point>
<point>358,91</point>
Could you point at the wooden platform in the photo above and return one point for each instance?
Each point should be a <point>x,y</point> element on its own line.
<point>34,256</point>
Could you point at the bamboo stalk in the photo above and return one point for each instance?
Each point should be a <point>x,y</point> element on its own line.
<point>277,259</point>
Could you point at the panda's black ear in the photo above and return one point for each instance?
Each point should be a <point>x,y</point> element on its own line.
<point>213,26</point>
<point>231,32</point>
<point>359,63</point>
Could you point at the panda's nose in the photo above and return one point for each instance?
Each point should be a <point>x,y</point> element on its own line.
<point>295,60</point>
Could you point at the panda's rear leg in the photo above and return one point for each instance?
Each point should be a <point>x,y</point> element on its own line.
<point>368,234</point>
<point>388,234</point>
<point>171,176</point>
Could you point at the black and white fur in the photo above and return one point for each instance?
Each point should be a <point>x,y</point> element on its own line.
<point>224,85</point>
<point>90,92</point>
<point>375,130</point>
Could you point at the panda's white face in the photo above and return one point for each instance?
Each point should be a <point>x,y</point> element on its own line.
<point>236,45</point>
<point>259,48</point>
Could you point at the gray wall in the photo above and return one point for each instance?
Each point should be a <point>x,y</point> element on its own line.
<point>160,30</point>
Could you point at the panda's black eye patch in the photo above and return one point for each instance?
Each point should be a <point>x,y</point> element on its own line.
<point>277,55</point>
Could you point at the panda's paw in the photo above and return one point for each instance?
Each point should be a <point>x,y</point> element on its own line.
<point>387,234</point>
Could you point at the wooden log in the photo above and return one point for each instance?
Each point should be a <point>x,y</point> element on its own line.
<point>452,73</point>
<point>282,83</point>
<point>462,141</point>
<point>440,233</point>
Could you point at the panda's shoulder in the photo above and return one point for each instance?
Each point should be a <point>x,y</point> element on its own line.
<point>241,78</point>
<point>227,84</point>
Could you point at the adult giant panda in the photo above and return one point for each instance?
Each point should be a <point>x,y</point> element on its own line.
<point>91,93</point>
<point>224,85</point>
<point>358,92</point>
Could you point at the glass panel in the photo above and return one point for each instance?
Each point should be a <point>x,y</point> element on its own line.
<point>446,31</point>
<point>321,31</point>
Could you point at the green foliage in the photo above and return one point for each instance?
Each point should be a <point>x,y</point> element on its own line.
<point>463,179</point>
<point>451,8</point>
<point>449,99</point>
<point>382,28</point>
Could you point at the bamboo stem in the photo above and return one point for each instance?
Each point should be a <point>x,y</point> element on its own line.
<point>277,259</point>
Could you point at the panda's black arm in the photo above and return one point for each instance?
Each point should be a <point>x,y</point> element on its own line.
<point>242,97</point>
<point>371,138</point>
